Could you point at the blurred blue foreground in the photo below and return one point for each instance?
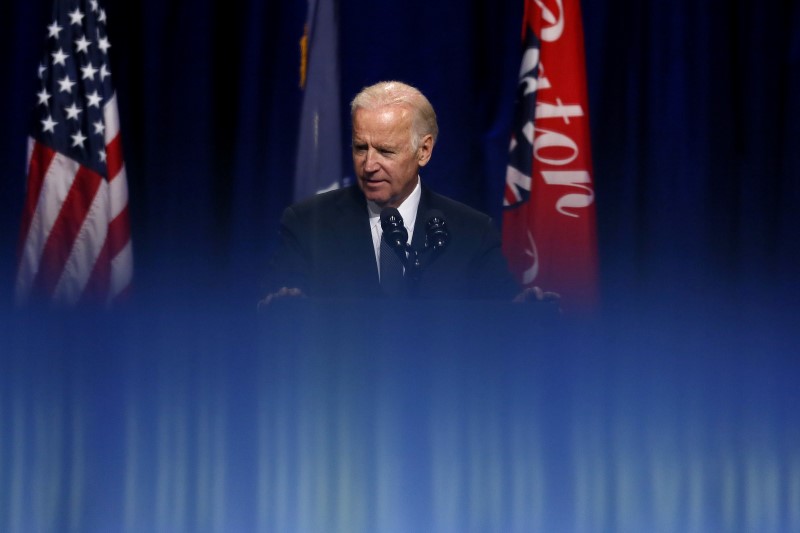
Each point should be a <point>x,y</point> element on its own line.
<point>357,417</point>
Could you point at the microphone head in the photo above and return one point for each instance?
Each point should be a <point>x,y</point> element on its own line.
<point>394,231</point>
<point>436,234</point>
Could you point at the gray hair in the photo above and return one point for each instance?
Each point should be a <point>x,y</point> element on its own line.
<point>386,93</point>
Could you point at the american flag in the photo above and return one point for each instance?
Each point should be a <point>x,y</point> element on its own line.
<point>75,243</point>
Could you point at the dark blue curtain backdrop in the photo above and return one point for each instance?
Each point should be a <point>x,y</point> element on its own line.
<point>675,411</point>
<point>694,114</point>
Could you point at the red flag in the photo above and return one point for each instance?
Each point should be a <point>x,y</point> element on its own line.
<point>75,243</point>
<point>549,224</point>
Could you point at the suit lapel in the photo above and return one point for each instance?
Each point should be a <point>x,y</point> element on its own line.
<point>418,238</point>
<point>355,240</point>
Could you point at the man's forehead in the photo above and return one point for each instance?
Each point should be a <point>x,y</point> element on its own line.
<point>383,125</point>
<point>386,114</point>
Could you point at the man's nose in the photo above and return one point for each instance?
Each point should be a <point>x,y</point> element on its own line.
<point>371,161</point>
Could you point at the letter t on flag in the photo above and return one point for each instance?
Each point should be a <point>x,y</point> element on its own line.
<point>75,243</point>
<point>549,223</point>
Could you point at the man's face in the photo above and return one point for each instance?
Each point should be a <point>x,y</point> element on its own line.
<point>383,159</point>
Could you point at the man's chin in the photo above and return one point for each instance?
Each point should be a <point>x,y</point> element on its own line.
<point>380,198</point>
<point>380,202</point>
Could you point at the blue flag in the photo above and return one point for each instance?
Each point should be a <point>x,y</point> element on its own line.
<point>319,146</point>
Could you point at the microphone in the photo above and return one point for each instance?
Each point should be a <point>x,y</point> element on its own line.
<point>436,234</point>
<point>396,236</point>
<point>394,231</point>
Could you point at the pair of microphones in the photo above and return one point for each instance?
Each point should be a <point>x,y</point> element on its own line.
<point>394,232</point>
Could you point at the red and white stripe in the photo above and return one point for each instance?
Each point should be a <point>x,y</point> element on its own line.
<point>75,243</point>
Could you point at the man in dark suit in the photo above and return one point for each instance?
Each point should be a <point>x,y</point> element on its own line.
<point>331,244</point>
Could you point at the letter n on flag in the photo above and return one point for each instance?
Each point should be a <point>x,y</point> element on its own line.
<point>549,223</point>
<point>75,243</point>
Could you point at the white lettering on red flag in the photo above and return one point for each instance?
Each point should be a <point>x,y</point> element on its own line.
<point>75,243</point>
<point>549,222</point>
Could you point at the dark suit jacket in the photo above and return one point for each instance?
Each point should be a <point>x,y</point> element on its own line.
<point>326,250</point>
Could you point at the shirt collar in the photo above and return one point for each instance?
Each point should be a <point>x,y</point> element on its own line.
<point>408,209</point>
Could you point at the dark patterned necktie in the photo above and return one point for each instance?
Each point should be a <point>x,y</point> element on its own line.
<point>391,271</point>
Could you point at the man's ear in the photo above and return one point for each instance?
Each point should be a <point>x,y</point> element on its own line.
<point>425,150</point>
